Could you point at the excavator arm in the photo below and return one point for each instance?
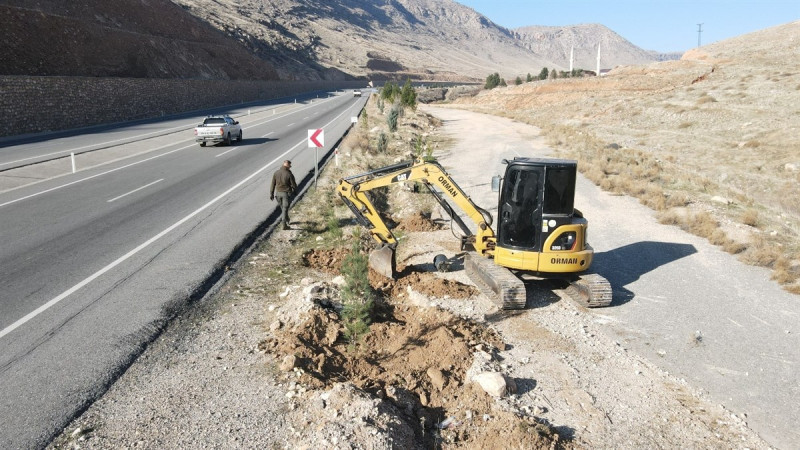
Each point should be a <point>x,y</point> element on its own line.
<point>354,192</point>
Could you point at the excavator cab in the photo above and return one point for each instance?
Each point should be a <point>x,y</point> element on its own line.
<point>539,229</point>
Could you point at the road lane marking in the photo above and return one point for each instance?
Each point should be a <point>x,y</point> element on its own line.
<point>153,239</point>
<point>91,177</point>
<point>135,190</point>
<point>271,132</point>
<point>290,125</point>
<point>226,151</point>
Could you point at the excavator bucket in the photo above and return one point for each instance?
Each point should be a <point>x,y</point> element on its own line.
<point>382,260</point>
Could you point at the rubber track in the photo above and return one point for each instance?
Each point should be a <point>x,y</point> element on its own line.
<point>496,282</point>
<point>591,290</point>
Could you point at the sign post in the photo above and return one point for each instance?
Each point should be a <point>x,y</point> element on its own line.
<point>316,139</point>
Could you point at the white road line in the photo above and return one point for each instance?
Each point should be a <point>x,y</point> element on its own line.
<point>147,243</point>
<point>91,177</point>
<point>289,126</point>
<point>271,132</point>
<point>135,190</point>
<point>226,151</point>
<point>66,152</point>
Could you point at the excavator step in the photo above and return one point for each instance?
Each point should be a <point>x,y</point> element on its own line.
<point>496,282</point>
<point>590,290</point>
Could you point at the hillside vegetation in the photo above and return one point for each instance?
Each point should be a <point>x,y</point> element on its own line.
<point>708,141</point>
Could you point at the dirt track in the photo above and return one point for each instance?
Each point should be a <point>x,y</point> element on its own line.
<point>215,374</point>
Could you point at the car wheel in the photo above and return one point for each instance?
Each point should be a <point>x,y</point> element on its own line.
<point>240,136</point>
<point>228,139</point>
<point>202,144</point>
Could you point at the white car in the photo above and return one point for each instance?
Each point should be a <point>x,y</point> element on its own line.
<point>356,92</point>
<point>217,129</point>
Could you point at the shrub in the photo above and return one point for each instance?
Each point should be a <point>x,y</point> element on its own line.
<point>383,142</point>
<point>518,80</point>
<point>391,119</point>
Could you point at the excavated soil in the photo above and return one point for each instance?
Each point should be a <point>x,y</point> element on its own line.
<point>415,360</point>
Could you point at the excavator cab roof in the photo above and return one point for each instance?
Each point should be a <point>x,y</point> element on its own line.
<point>542,162</point>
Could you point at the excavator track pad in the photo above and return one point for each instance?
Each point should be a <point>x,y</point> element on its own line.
<point>590,290</point>
<point>496,282</point>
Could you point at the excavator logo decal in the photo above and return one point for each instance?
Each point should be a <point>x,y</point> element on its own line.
<point>402,177</point>
<point>448,187</point>
<point>563,260</point>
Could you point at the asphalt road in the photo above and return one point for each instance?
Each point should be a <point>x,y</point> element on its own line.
<point>93,264</point>
<point>684,304</point>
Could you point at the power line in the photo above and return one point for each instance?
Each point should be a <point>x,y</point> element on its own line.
<point>699,30</point>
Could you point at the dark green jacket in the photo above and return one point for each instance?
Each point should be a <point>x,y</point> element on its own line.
<point>282,181</point>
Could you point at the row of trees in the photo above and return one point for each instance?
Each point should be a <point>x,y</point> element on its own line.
<point>494,80</point>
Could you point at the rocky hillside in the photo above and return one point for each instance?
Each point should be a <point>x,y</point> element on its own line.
<point>424,39</point>
<point>555,43</point>
<point>124,38</point>
<point>301,39</point>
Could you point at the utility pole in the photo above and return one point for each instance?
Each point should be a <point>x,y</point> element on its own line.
<point>699,30</point>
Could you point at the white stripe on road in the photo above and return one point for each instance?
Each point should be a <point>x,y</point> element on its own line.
<point>271,132</point>
<point>135,190</point>
<point>91,177</point>
<point>226,151</point>
<point>147,243</point>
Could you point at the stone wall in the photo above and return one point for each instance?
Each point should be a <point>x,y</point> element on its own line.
<point>40,104</point>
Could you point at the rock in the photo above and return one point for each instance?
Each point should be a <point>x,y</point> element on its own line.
<point>437,378</point>
<point>423,399</point>
<point>306,281</point>
<point>275,326</point>
<point>790,167</point>
<point>339,281</point>
<point>285,292</point>
<point>720,200</point>
<point>494,383</point>
<point>289,362</point>
<point>320,239</point>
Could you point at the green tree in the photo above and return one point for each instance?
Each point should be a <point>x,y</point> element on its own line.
<point>518,81</point>
<point>529,78</point>
<point>391,118</point>
<point>503,82</point>
<point>492,81</point>
<point>553,74</point>
<point>544,73</point>
<point>408,96</point>
<point>358,299</point>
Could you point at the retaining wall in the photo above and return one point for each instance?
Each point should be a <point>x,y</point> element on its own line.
<point>39,104</point>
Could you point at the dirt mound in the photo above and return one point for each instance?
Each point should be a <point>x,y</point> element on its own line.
<point>427,283</point>
<point>326,260</point>
<point>418,222</point>
<point>415,361</point>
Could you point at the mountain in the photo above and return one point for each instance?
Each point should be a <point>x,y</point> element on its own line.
<point>422,39</point>
<point>555,43</point>
<point>438,40</point>
<point>123,38</point>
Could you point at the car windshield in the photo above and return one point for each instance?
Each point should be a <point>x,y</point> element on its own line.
<point>214,121</point>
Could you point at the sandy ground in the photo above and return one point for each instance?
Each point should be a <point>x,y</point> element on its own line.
<point>219,376</point>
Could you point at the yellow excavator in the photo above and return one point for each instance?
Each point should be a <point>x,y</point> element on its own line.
<point>540,235</point>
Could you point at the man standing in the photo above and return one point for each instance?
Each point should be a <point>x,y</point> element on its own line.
<point>283,185</point>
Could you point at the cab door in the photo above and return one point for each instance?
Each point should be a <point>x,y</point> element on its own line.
<point>519,215</point>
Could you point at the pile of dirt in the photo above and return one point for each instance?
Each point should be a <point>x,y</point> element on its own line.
<point>415,363</point>
<point>330,261</point>
<point>418,222</point>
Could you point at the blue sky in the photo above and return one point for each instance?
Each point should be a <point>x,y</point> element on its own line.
<point>660,25</point>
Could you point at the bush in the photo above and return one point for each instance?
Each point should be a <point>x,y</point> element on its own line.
<point>518,81</point>
<point>391,119</point>
<point>383,143</point>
